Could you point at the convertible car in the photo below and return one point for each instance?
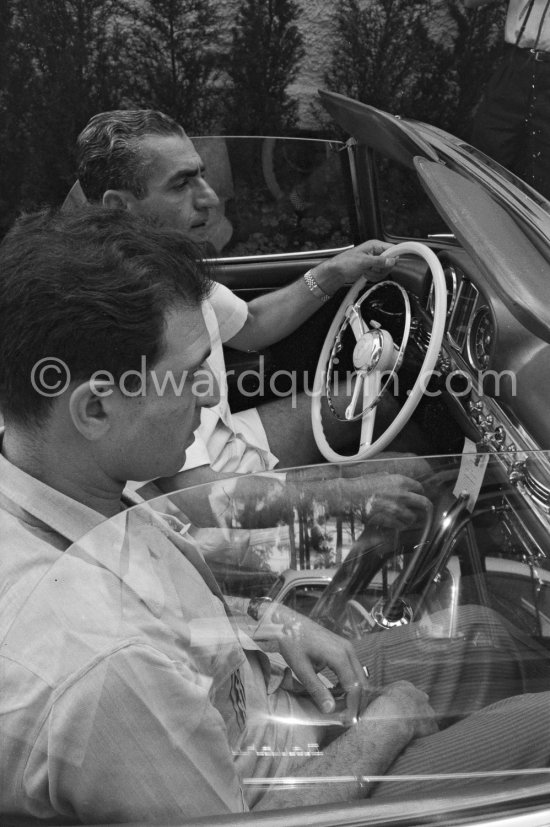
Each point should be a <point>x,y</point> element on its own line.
<point>458,337</point>
<point>446,360</point>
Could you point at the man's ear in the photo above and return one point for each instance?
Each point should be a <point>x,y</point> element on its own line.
<point>91,408</point>
<point>117,199</point>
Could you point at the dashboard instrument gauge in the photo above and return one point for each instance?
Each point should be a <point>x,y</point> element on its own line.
<point>481,339</point>
<point>452,278</point>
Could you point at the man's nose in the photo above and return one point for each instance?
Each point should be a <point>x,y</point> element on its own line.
<point>209,389</point>
<point>205,196</point>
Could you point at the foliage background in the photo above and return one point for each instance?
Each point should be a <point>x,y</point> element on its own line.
<point>61,61</point>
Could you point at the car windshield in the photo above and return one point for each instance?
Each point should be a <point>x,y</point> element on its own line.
<point>453,597</point>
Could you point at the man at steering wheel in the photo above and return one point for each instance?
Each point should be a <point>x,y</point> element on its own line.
<point>142,161</point>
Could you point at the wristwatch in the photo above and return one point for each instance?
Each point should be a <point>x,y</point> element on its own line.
<point>254,609</point>
<point>314,288</point>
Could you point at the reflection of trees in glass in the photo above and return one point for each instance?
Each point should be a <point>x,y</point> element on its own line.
<point>263,61</point>
<point>301,517</point>
<point>324,536</point>
<point>287,195</point>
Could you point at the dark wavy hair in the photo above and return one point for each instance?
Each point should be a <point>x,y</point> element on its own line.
<point>110,154</point>
<point>91,289</point>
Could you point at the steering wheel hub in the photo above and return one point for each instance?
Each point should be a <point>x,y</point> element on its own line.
<point>373,351</point>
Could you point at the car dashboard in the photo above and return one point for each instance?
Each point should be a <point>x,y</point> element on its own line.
<point>484,373</point>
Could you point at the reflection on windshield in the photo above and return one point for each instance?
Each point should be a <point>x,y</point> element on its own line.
<point>277,195</point>
<point>171,687</point>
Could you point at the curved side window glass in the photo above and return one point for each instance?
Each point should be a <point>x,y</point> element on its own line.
<point>277,195</point>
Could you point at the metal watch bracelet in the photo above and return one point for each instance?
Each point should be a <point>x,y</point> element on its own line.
<point>317,291</point>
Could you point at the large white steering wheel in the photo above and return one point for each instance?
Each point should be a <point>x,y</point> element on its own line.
<point>376,359</point>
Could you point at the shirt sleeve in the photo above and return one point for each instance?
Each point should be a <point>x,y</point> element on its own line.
<point>231,311</point>
<point>137,739</point>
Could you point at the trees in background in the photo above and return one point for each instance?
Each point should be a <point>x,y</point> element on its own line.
<point>264,58</point>
<point>176,47</point>
<point>381,51</point>
<point>14,81</point>
<point>63,60</point>
<point>395,55</point>
<point>64,66</point>
<point>475,51</point>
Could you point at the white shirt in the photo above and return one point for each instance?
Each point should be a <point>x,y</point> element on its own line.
<point>119,667</point>
<point>517,9</point>
<point>232,443</point>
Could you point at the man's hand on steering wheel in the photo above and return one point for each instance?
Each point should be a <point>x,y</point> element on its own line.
<point>363,260</point>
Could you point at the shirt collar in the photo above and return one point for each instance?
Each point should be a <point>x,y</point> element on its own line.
<point>57,511</point>
<point>31,500</point>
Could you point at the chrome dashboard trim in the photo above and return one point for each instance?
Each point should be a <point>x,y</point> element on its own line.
<point>499,431</point>
<point>503,436</point>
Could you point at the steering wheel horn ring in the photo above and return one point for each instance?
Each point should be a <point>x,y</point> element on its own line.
<point>375,355</point>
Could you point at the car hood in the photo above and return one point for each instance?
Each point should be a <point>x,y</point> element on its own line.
<point>482,214</point>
